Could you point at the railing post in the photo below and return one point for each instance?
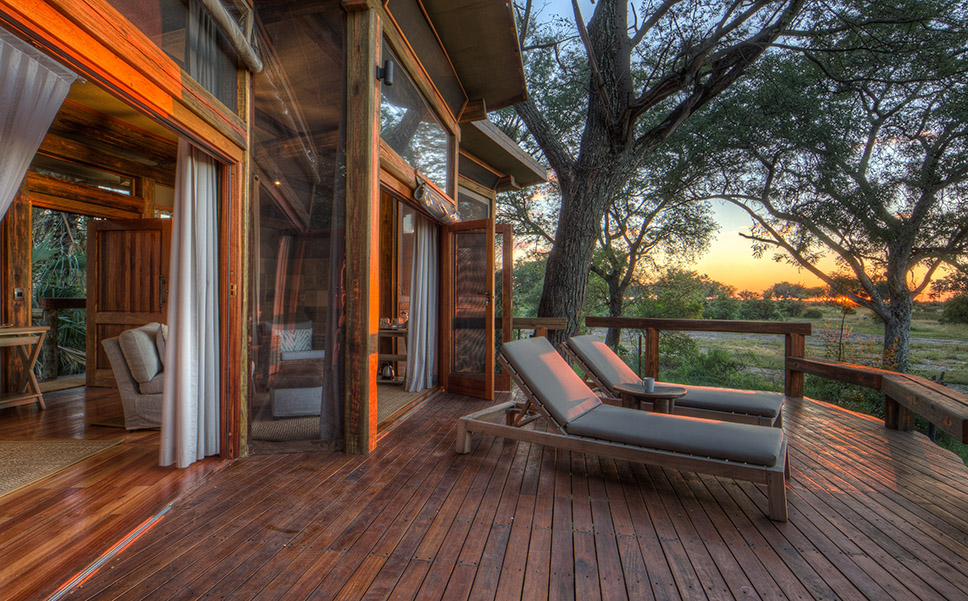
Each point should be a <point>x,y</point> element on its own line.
<point>651,353</point>
<point>897,416</point>
<point>50,364</point>
<point>796,346</point>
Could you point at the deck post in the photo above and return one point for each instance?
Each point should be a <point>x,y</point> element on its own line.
<point>897,416</point>
<point>651,366</point>
<point>796,347</point>
<point>362,226</point>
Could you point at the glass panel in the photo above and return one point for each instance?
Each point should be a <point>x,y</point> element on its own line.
<point>472,206</point>
<point>187,34</point>
<point>412,129</point>
<point>470,304</point>
<point>299,155</point>
<point>412,20</point>
<point>498,295</point>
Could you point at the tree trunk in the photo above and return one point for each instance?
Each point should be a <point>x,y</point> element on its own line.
<point>897,333</point>
<point>616,306</point>
<point>583,204</point>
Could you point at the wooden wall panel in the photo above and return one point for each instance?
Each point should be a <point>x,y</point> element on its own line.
<point>17,255</point>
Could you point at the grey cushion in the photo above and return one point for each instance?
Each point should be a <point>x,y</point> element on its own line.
<point>155,385</point>
<point>608,367</point>
<point>557,386</point>
<point>750,402</point>
<point>141,352</point>
<point>161,341</point>
<point>611,370</point>
<point>296,355</point>
<point>744,443</point>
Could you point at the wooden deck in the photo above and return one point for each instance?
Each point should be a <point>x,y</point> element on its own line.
<point>874,514</point>
<point>53,529</point>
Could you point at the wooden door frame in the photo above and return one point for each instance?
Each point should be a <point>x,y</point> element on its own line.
<point>448,382</point>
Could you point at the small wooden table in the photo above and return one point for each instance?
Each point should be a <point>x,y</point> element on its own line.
<point>663,398</point>
<point>29,340</point>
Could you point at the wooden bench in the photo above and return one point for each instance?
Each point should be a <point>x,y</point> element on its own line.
<point>904,394</point>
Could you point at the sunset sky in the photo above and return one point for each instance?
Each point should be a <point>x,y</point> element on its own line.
<point>730,257</point>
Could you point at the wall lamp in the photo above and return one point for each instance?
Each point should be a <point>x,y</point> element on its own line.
<point>386,72</point>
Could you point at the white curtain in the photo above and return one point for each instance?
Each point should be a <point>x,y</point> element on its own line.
<point>32,89</point>
<point>422,337</point>
<point>190,409</point>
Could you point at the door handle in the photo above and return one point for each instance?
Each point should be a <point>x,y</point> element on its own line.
<point>162,290</point>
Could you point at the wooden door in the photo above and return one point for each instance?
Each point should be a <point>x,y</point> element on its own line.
<point>127,284</point>
<point>468,308</point>
<point>503,286</point>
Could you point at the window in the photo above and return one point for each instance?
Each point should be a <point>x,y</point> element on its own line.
<point>412,128</point>
<point>188,34</point>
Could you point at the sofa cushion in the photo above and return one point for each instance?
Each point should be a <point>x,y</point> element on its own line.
<point>161,341</point>
<point>141,352</point>
<point>155,385</point>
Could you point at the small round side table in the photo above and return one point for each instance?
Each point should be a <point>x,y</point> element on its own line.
<point>663,397</point>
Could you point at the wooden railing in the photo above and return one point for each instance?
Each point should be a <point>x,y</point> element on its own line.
<point>540,326</point>
<point>794,333</point>
<point>904,395</point>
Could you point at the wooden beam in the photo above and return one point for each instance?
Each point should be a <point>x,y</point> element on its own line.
<point>58,188</point>
<point>61,147</point>
<point>362,229</point>
<point>474,110</point>
<point>79,123</point>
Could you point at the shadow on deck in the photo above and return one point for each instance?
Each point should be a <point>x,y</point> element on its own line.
<point>874,514</point>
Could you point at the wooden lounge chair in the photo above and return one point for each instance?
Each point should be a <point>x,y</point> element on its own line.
<point>579,421</point>
<point>606,370</point>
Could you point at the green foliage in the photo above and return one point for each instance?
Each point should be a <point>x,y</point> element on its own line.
<point>955,310</point>
<point>528,279</point>
<point>60,270</point>
<point>723,306</point>
<point>789,290</point>
<point>677,293</point>
<point>813,313</point>
<point>791,307</point>
<point>714,367</point>
<point>759,309</point>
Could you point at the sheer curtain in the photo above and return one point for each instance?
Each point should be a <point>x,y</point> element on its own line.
<point>190,406</point>
<point>32,89</point>
<point>422,338</point>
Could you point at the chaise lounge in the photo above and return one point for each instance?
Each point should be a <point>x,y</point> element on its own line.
<point>606,370</point>
<point>579,421</point>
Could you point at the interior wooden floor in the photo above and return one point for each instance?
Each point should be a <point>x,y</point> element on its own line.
<point>53,529</point>
<point>874,514</point>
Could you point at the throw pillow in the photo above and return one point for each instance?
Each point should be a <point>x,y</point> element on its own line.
<point>141,352</point>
